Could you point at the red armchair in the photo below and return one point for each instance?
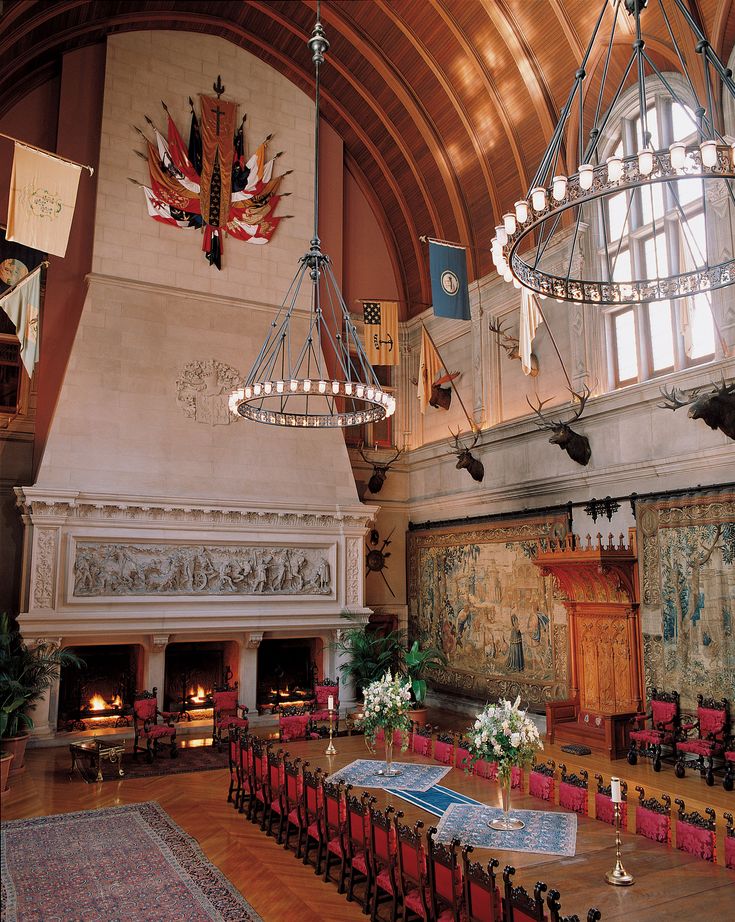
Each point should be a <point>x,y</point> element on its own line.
<point>148,731</point>
<point>712,727</point>
<point>729,780</point>
<point>412,871</point>
<point>322,693</point>
<point>665,721</point>
<point>227,714</point>
<point>481,893</point>
<point>695,833</point>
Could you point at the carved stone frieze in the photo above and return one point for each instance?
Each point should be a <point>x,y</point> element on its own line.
<point>203,389</point>
<point>107,569</point>
<point>352,572</point>
<point>44,563</point>
<point>254,639</point>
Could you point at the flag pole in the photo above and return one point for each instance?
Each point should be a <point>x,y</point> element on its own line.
<point>473,424</point>
<point>553,342</point>
<point>42,150</point>
<point>42,265</point>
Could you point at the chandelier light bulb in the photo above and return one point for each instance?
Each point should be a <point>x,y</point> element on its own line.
<point>501,234</point>
<point>586,176</point>
<point>268,387</point>
<point>516,283</point>
<point>257,388</point>
<point>294,385</point>
<point>279,387</point>
<point>507,274</point>
<point>335,387</point>
<point>538,198</point>
<point>678,153</point>
<point>521,211</point>
<point>509,222</point>
<point>559,188</point>
<point>709,154</point>
<point>307,385</point>
<point>614,169</point>
<point>645,161</point>
<point>322,386</point>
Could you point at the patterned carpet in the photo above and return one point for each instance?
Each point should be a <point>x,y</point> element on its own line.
<point>544,833</point>
<point>130,863</point>
<point>413,777</point>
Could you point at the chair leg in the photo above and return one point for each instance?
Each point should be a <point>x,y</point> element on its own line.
<point>174,750</point>
<point>374,911</point>
<point>281,821</point>
<point>307,848</point>
<point>342,874</point>
<point>327,863</point>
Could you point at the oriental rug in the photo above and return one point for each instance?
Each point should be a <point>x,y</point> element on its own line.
<point>414,776</point>
<point>129,863</point>
<point>544,833</point>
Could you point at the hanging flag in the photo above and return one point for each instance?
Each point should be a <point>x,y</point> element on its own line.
<point>449,291</point>
<point>430,366</point>
<point>22,305</point>
<point>530,319</point>
<point>16,261</point>
<point>43,193</point>
<point>381,332</point>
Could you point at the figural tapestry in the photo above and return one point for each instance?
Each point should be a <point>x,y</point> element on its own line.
<point>687,559</point>
<point>475,593</point>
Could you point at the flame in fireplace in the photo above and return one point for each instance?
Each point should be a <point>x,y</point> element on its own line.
<point>97,703</point>
<point>200,697</point>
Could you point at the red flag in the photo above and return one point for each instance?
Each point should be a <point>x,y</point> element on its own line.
<point>218,129</point>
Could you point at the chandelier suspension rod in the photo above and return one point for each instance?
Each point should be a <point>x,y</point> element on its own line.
<point>317,57</point>
<point>707,50</point>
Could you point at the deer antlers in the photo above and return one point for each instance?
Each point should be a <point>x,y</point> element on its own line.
<point>460,446</point>
<point>509,343</point>
<point>395,457</point>
<point>545,423</point>
<point>674,399</point>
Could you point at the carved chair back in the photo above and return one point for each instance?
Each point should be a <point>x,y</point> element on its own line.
<point>729,841</point>
<point>664,710</point>
<point>383,839</point>
<point>224,701</point>
<point>412,867</point>
<point>541,780</point>
<point>444,748</point>
<point>259,754</point>
<point>695,833</point>
<point>714,718</point>
<point>481,893</point>
<point>145,707</point>
<point>292,787</point>
<point>246,760</point>
<point>573,790</point>
<point>519,905</point>
<point>554,904</point>
<point>421,739</point>
<point>333,814</point>
<point>445,876</point>
<point>463,758</point>
<point>275,775</point>
<point>604,807</point>
<point>323,690</point>
<point>357,837</point>
<point>312,781</point>
<point>653,817</point>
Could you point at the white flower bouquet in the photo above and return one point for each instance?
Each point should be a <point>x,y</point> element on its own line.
<point>386,705</point>
<point>504,734</point>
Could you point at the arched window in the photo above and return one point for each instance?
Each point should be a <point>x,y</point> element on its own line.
<point>654,231</point>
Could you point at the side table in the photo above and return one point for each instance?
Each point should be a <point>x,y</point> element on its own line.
<point>94,752</point>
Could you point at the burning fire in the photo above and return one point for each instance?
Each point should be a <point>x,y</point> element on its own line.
<point>98,703</point>
<point>200,697</point>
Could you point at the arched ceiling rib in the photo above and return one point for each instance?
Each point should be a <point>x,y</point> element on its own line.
<point>444,106</point>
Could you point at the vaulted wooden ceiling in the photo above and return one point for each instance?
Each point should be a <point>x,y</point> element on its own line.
<point>445,106</point>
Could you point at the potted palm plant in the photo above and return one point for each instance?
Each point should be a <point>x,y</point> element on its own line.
<point>417,663</point>
<point>369,654</point>
<point>25,674</point>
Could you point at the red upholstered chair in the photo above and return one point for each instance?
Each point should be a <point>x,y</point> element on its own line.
<point>383,859</point>
<point>444,748</point>
<point>518,904</point>
<point>357,845</point>
<point>445,880</point>
<point>695,834</point>
<point>412,874</point>
<point>573,790</point>
<point>148,730</point>
<point>463,757</point>
<point>665,719</point>
<point>322,691</point>
<point>729,841</point>
<point>294,723</point>
<point>245,771</point>
<point>712,728</point>
<point>729,780</point>
<point>258,779</point>
<point>234,746</point>
<point>604,807</point>
<point>516,777</point>
<point>293,797</point>
<point>487,770</point>
<point>421,740</point>
<point>313,805</point>
<point>552,901</point>
<point>481,893</point>
<point>273,789</point>
<point>227,713</point>
<point>541,780</point>
<point>334,818</point>
<point>653,817</point>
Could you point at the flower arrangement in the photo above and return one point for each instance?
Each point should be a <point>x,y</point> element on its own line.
<point>504,734</point>
<point>386,705</point>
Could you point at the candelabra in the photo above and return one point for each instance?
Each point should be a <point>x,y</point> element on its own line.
<point>619,877</point>
<point>330,750</point>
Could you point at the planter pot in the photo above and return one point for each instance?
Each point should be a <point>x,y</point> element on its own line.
<point>5,760</point>
<point>419,716</point>
<point>17,746</point>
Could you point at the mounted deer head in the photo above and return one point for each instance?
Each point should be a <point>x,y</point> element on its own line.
<point>465,458</point>
<point>380,471</point>
<point>575,445</point>
<point>441,397</point>
<point>511,345</point>
<point>716,407</point>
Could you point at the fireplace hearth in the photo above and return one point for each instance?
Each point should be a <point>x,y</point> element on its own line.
<point>193,670</point>
<point>100,694</point>
<point>286,672</point>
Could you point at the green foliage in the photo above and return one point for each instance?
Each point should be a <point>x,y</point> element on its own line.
<point>369,654</point>
<point>417,662</point>
<point>25,674</point>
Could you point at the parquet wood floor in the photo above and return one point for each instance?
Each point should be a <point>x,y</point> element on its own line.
<point>670,885</point>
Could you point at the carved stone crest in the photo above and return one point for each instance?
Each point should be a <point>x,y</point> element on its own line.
<point>203,390</point>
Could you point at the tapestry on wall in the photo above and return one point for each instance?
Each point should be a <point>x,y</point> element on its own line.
<point>211,183</point>
<point>687,559</point>
<point>475,593</point>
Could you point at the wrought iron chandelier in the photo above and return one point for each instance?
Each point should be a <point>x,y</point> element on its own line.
<point>290,383</point>
<point>538,243</point>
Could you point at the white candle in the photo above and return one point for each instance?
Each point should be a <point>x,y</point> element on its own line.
<point>330,706</point>
<point>615,790</point>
